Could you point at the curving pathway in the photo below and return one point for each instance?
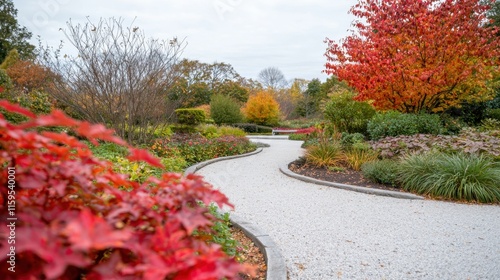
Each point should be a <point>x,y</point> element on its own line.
<point>329,233</point>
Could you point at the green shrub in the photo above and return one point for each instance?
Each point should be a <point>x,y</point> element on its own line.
<point>211,131</point>
<point>137,171</point>
<point>348,115</point>
<point>108,150</point>
<point>490,124</point>
<point>493,114</point>
<point>231,131</point>
<point>452,125</point>
<point>324,153</point>
<point>254,128</point>
<point>195,148</point>
<point>298,137</point>
<point>225,110</point>
<point>393,123</point>
<point>36,101</point>
<point>5,81</point>
<point>222,233</point>
<point>458,176</point>
<point>190,116</point>
<point>381,171</point>
<point>208,131</point>
<point>348,139</point>
<point>429,124</point>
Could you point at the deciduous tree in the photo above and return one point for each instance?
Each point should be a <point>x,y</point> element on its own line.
<point>414,55</point>
<point>13,35</point>
<point>272,78</point>
<point>119,77</point>
<point>262,108</point>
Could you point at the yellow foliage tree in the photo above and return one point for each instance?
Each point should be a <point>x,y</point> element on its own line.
<point>262,108</point>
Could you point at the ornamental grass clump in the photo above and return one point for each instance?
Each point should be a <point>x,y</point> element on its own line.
<point>324,154</point>
<point>457,176</point>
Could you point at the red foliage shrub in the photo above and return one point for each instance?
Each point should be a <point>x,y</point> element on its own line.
<point>65,214</point>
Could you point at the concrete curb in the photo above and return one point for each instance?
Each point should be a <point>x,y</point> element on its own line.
<point>200,165</point>
<point>284,169</point>
<point>276,268</point>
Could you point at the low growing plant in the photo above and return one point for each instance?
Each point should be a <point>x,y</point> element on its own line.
<point>358,154</point>
<point>457,176</point>
<point>468,141</point>
<point>324,153</point>
<point>381,171</point>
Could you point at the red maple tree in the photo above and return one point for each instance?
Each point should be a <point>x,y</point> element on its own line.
<point>414,55</point>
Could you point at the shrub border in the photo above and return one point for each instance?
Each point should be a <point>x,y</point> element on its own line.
<point>275,263</point>
<point>284,169</point>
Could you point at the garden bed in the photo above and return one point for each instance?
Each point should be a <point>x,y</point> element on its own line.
<point>346,176</point>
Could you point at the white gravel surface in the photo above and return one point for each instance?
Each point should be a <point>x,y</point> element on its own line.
<point>328,233</point>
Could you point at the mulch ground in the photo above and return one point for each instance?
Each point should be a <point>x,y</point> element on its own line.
<point>250,255</point>
<point>345,176</point>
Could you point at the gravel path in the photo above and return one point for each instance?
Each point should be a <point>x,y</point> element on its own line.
<point>328,233</point>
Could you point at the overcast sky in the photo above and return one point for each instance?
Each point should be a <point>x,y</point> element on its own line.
<point>248,34</point>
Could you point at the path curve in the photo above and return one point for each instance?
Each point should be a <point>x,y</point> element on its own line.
<point>329,233</point>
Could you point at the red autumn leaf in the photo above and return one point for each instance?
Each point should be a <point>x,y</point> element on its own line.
<point>193,219</point>
<point>14,108</point>
<point>143,155</point>
<point>92,232</point>
<point>98,131</point>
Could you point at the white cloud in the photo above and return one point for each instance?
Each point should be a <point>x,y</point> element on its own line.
<point>250,35</point>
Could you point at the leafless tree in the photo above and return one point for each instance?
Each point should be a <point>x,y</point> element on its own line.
<point>272,78</point>
<point>119,76</point>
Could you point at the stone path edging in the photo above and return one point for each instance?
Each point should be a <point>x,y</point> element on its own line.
<point>284,169</point>
<point>276,268</point>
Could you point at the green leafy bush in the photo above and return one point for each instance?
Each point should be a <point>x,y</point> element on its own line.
<point>231,131</point>
<point>381,171</point>
<point>190,116</point>
<point>493,114</point>
<point>221,233</point>
<point>225,110</point>
<point>208,131</point>
<point>211,131</point>
<point>348,139</point>
<point>458,176</point>
<point>490,124</point>
<point>429,124</point>
<point>195,148</point>
<point>254,128</point>
<point>348,115</point>
<point>298,137</point>
<point>393,123</point>
<point>137,171</point>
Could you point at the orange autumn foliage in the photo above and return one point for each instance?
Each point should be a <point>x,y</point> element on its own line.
<point>262,108</point>
<point>27,75</point>
<point>418,55</point>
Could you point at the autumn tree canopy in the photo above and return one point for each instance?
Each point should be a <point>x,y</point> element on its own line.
<point>415,55</point>
<point>199,81</point>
